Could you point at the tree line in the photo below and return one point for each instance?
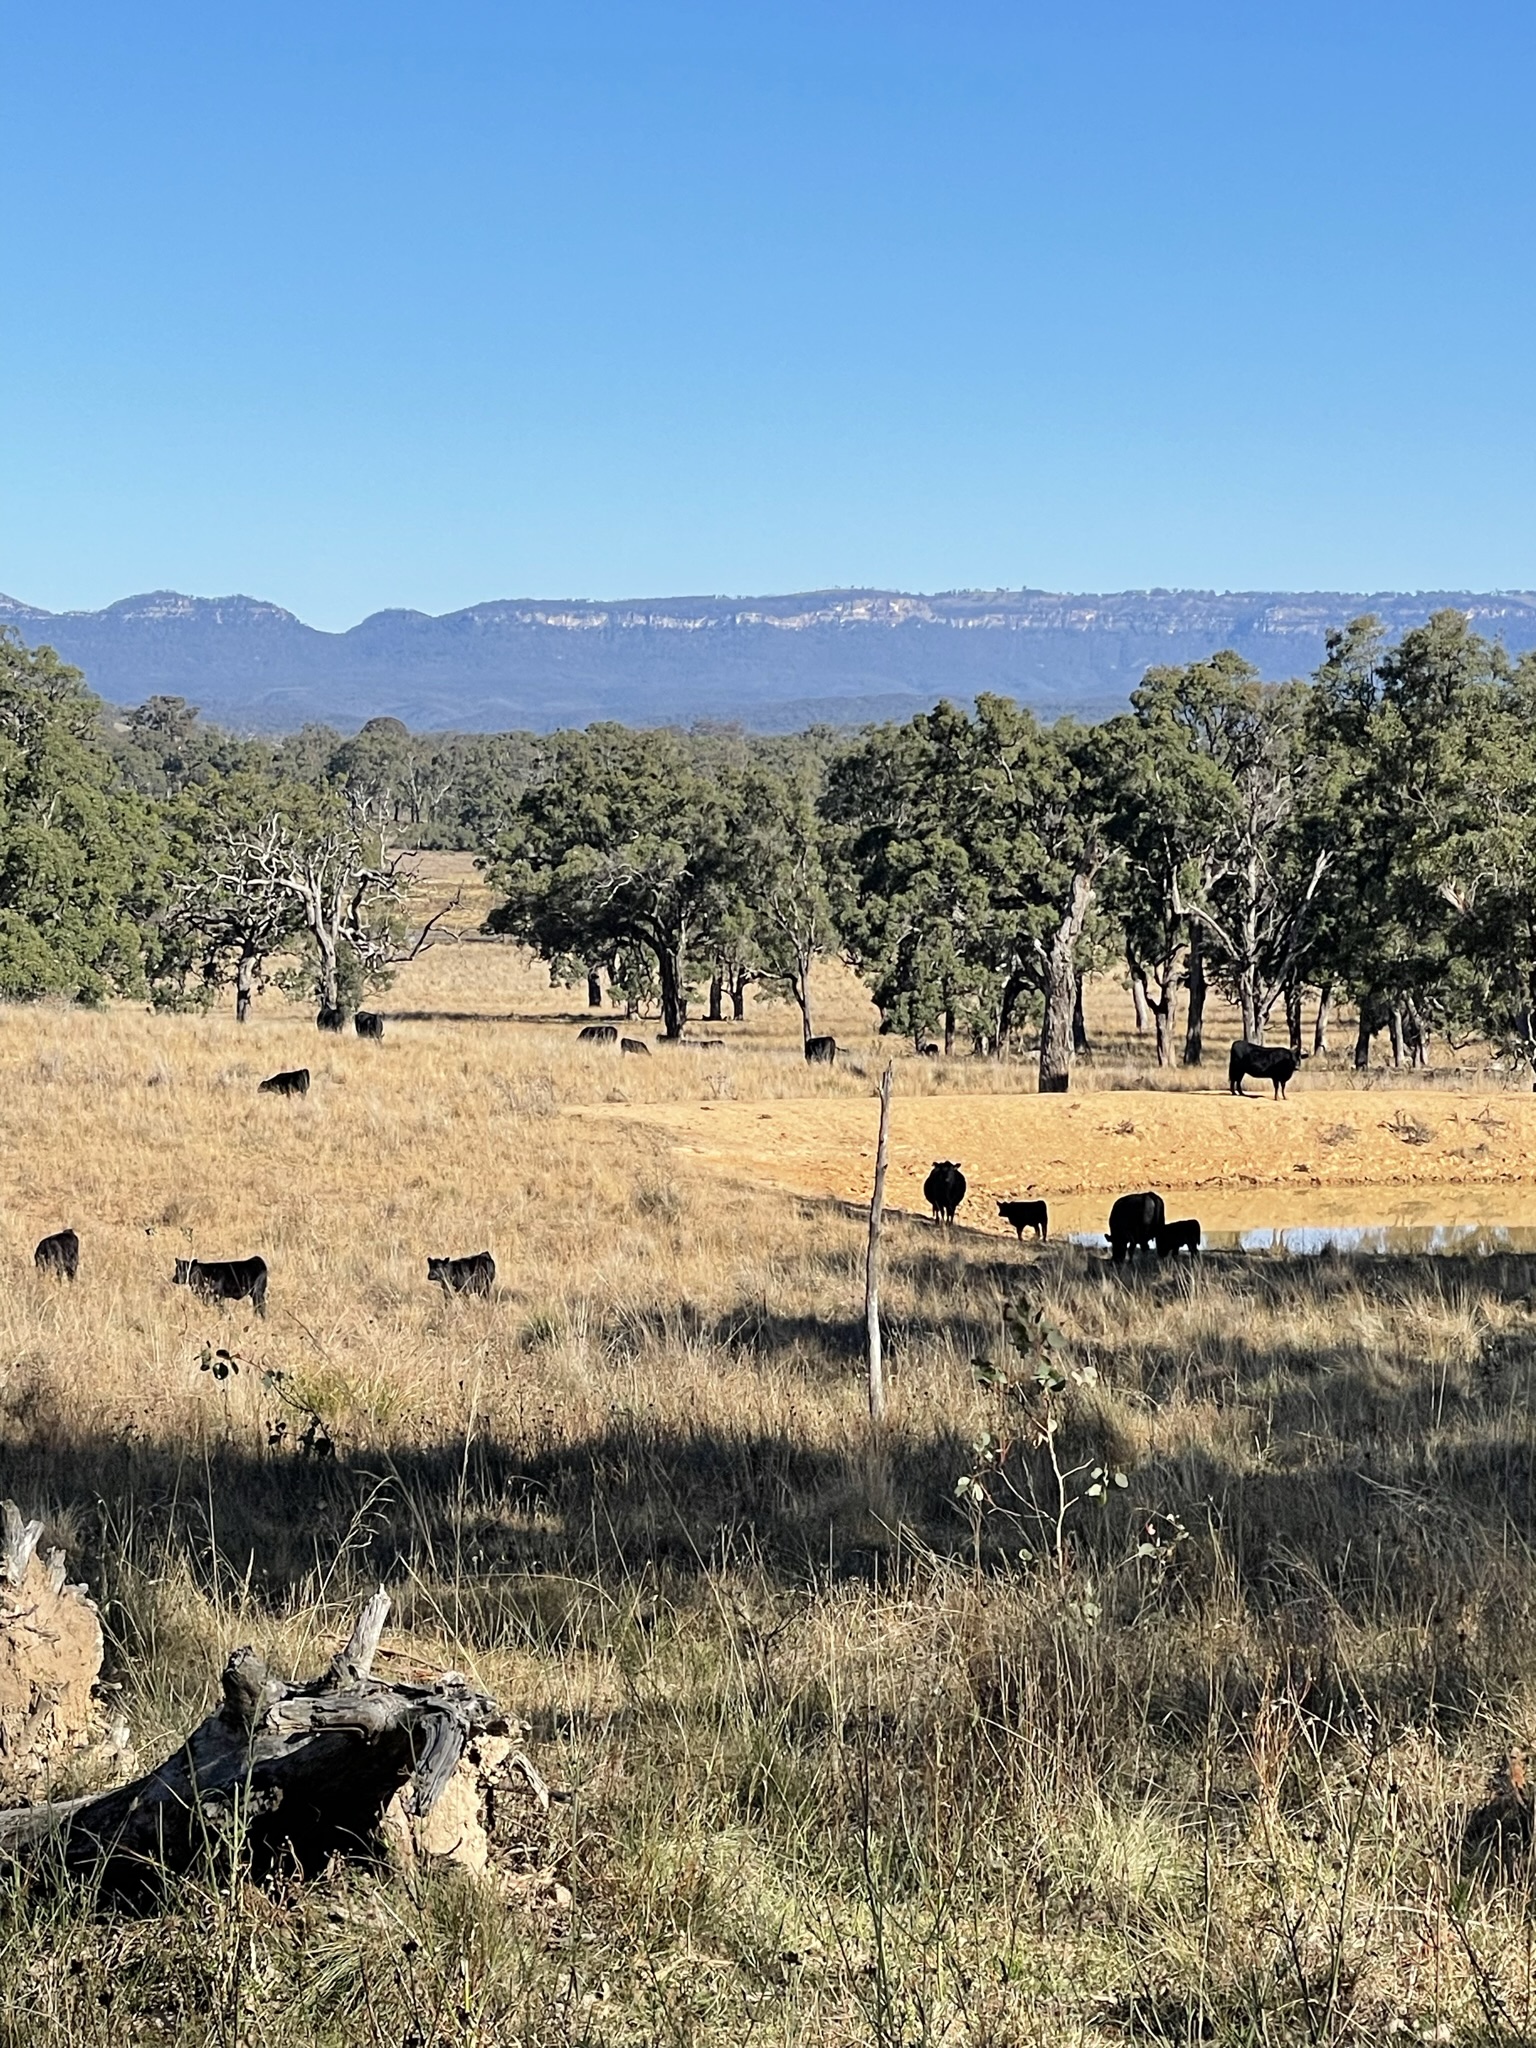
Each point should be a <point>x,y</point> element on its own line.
<point>1367,835</point>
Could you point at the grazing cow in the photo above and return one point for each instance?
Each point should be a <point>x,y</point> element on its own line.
<point>331,1020</point>
<point>929,1051</point>
<point>1274,1063</point>
<point>635,1045</point>
<point>225,1280</point>
<point>1025,1216</point>
<point>821,1050</point>
<point>369,1024</point>
<point>1183,1236</point>
<point>474,1275</point>
<point>944,1190</point>
<point>1134,1222</point>
<point>296,1082</point>
<point>59,1254</point>
<point>598,1034</point>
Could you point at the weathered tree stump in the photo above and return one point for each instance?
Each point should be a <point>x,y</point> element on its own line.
<point>282,1775</point>
<point>50,1657</point>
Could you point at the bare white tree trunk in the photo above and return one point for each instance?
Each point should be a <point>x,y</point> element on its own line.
<point>873,1354</point>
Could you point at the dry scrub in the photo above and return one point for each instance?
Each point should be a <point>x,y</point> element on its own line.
<point>854,1756</point>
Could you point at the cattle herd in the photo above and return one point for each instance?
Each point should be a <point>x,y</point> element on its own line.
<point>1137,1223</point>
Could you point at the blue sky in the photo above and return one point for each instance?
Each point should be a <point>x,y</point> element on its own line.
<point>357,306</point>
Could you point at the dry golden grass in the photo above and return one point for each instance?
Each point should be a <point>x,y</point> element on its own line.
<point>849,1764</point>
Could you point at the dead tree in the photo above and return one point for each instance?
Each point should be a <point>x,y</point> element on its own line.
<point>282,1776</point>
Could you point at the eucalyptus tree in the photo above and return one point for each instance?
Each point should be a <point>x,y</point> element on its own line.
<point>80,856</point>
<point>621,843</point>
<point>968,850</point>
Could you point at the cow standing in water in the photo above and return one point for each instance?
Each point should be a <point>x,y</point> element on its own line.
<point>1134,1222</point>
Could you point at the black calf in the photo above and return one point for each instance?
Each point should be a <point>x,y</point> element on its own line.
<point>1183,1236</point>
<point>225,1280</point>
<point>59,1255</point>
<point>295,1082</point>
<point>1025,1216</point>
<point>474,1275</point>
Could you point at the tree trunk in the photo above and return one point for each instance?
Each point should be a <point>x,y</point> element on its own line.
<point>1164,1012</point>
<point>716,995</point>
<point>1415,1036</point>
<point>1320,1029</point>
<point>281,1772</point>
<point>949,1031</point>
<point>672,963</point>
<point>594,989</point>
<point>1013,988</point>
<point>329,979</point>
<point>1363,1036</point>
<point>1293,1015</point>
<point>803,999</point>
<point>739,997</point>
<point>1194,1030</point>
<point>1139,1001</point>
<point>1079,1022</point>
<point>1395,1031</point>
<point>245,983</point>
<point>1248,1005</point>
<point>1056,1036</point>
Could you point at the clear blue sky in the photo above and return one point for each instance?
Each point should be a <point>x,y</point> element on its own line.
<point>362,305</point>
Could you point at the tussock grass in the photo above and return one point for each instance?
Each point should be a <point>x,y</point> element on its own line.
<point>849,1762</point>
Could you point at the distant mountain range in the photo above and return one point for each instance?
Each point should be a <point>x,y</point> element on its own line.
<point>773,664</point>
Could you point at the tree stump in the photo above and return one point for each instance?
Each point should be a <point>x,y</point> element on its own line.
<point>282,1775</point>
<point>50,1657</point>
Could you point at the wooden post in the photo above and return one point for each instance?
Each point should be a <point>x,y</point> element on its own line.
<point>872,1261</point>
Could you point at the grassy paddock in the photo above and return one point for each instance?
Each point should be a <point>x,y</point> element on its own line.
<point>850,1762</point>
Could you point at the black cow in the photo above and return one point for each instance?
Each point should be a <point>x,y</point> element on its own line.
<point>598,1034</point>
<point>1274,1063</point>
<point>1183,1236</point>
<point>929,1051</point>
<point>59,1254</point>
<point>1025,1216</point>
<point>331,1020</point>
<point>1134,1222</point>
<point>225,1280</point>
<point>944,1190</point>
<point>474,1275</point>
<point>296,1082</point>
<point>822,1051</point>
<point>635,1045</point>
<point>368,1024</point>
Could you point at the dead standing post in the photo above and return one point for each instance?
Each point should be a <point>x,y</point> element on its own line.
<point>872,1258</point>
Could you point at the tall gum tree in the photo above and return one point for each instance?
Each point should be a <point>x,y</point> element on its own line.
<point>620,842</point>
<point>970,847</point>
<point>81,858</point>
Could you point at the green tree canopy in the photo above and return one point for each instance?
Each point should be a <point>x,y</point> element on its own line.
<point>79,857</point>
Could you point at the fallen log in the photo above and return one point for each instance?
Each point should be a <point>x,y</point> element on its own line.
<point>281,1776</point>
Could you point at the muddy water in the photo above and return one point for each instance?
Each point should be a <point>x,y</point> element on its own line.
<point>1444,1219</point>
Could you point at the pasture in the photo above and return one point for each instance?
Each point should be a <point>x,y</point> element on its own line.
<point>855,1751</point>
